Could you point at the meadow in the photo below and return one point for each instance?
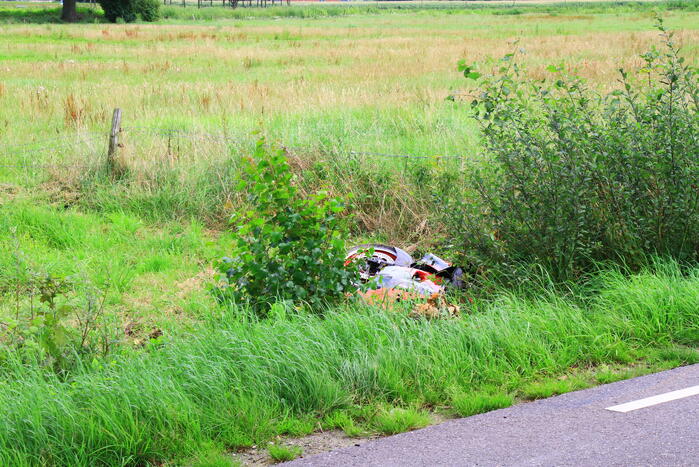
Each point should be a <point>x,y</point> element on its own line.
<point>164,373</point>
<point>325,87</point>
<point>374,82</point>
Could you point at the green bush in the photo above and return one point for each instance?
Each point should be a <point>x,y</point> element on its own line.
<point>573,177</point>
<point>62,325</point>
<point>131,10</point>
<point>287,248</point>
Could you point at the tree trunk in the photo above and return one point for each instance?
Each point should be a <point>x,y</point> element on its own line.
<point>69,13</point>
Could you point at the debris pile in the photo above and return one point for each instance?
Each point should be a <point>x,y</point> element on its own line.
<point>390,275</point>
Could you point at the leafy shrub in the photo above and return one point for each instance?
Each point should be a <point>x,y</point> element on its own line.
<point>131,10</point>
<point>63,322</point>
<point>573,177</point>
<point>287,247</point>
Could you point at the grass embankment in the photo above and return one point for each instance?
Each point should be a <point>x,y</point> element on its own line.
<point>236,382</point>
<point>153,276</point>
<point>217,380</point>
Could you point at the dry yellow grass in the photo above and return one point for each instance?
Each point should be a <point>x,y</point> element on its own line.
<point>299,79</point>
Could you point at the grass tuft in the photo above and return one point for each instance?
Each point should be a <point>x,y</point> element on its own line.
<point>282,453</point>
<point>548,388</point>
<point>296,427</point>
<point>213,457</point>
<point>398,420</point>
<point>609,376</point>
<point>467,404</point>
<point>677,356</point>
<point>342,420</point>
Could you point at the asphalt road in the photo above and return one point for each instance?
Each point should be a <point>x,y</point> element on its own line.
<point>572,429</point>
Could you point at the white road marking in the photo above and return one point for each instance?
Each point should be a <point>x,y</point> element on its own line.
<point>659,399</point>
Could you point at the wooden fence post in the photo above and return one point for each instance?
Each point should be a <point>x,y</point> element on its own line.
<point>114,141</point>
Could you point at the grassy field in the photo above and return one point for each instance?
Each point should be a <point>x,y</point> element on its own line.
<point>372,82</point>
<point>190,379</point>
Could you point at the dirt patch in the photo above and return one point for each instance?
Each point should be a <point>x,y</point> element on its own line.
<point>315,443</point>
<point>195,283</point>
<point>320,442</point>
<point>62,192</point>
<point>8,192</point>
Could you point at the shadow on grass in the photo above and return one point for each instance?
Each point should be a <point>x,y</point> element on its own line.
<point>18,14</point>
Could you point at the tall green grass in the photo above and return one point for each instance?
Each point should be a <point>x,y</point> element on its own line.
<point>151,276</point>
<point>393,198</point>
<point>237,382</point>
